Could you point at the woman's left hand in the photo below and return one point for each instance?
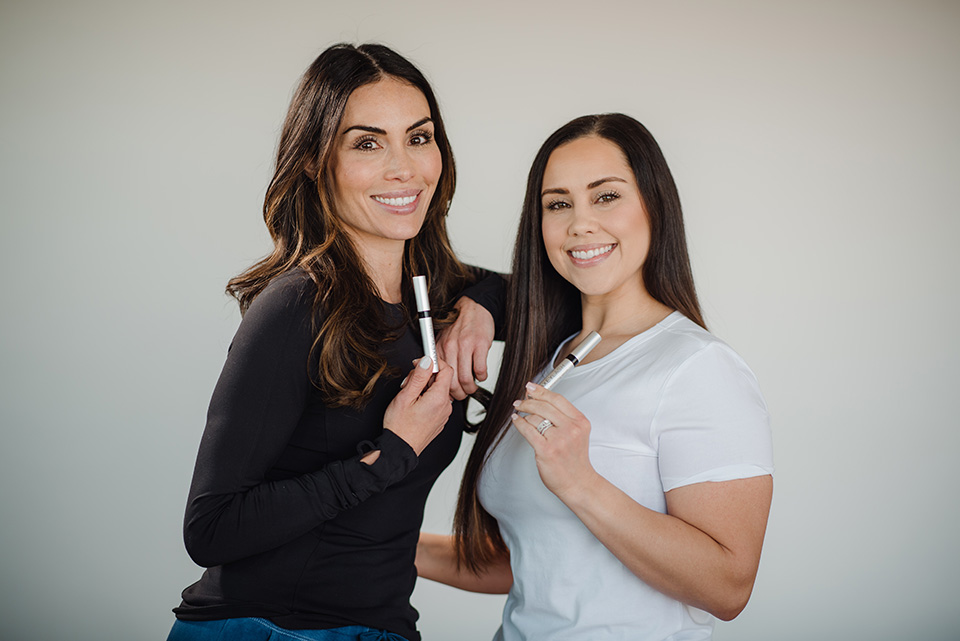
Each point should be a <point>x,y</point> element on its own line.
<point>464,346</point>
<point>562,448</point>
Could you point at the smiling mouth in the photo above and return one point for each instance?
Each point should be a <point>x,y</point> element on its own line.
<point>592,253</point>
<point>397,202</point>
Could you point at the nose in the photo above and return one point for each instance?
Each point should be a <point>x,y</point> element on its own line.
<point>582,222</point>
<point>400,165</point>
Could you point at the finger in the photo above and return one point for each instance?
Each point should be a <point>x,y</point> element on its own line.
<point>465,376</point>
<point>441,384</point>
<point>418,378</point>
<point>542,409</point>
<point>456,390</point>
<point>443,371</point>
<point>527,430</point>
<point>559,401</point>
<point>480,353</point>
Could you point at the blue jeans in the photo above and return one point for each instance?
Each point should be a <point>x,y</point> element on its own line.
<point>256,629</point>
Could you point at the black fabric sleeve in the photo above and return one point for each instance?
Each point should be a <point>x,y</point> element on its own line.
<point>490,291</point>
<point>232,512</point>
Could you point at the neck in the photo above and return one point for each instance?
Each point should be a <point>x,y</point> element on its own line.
<point>384,265</point>
<point>621,314</point>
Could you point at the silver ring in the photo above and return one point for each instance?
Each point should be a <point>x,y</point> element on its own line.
<point>544,425</point>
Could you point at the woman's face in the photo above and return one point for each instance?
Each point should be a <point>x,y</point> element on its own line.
<point>595,227</point>
<point>386,164</point>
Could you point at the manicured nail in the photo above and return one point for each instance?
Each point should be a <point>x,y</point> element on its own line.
<point>425,363</point>
<point>531,387</point>
<point>514,417</point>
<point>516,403</point>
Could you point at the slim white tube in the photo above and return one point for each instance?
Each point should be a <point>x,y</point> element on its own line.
<point>570,360</point>
<point>420,292</point>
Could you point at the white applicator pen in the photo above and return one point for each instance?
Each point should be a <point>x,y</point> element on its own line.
<point>426,322</point>
<point>571,360</point>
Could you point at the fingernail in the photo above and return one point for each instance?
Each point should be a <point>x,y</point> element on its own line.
<point>531,387</point>
<point>516,403</point>
<point>425,363</point>
<point>514,416</point>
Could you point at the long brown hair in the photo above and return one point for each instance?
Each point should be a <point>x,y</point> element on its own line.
<point>543,308</point>
<point>300,212</point>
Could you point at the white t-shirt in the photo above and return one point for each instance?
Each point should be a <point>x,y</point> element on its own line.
<point>670,407</point>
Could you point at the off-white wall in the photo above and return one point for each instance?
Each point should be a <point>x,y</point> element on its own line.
<point>815,147</point>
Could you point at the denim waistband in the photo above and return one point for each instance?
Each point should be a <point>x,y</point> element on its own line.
<point>258,629</point>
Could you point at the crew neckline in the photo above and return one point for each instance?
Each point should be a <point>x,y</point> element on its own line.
<point>642,337</point>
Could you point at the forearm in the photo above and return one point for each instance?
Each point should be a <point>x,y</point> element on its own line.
<point>225,524</point>
<point>437,561</point>
<point>666,552</point>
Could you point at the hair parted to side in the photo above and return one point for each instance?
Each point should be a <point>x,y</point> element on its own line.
<point>543,308</point>
<point>300,212</point>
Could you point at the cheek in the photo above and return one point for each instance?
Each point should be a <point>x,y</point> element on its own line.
<point>553,237</point>
<point>432,166</point>
<point>349,180</point>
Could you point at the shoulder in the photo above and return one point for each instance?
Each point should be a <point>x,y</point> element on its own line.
<point>290,289</point>
<point>703,371</point>
<point>284,305</point>
<point>687,346</point>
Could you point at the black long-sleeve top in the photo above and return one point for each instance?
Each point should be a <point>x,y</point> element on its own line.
<point>290,525</point>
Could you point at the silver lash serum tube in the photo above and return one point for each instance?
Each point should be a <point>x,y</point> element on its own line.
<point>571,360</point>
<point>426,322</point>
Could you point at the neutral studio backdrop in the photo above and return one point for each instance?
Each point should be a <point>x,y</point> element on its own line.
<point>815,146</point>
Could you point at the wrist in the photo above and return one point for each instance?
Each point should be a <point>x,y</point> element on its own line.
<point>582,491</point>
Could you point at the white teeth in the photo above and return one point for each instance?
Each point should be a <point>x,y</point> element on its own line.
<point>590,253</point>
<point>396,202</point>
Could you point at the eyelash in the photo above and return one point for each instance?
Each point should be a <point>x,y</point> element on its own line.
<point>606,197</point>
<point>360,142</point>
<point>425,135</point>
<point>602,198</point>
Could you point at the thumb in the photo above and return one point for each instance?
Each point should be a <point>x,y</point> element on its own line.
<point>418,378</point>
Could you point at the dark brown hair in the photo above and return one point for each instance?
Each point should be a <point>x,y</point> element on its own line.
<point>300,212</point>
<point>543,308</point>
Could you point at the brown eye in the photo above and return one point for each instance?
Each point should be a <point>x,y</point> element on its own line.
<point>367,143</point>
<point>421,138</point>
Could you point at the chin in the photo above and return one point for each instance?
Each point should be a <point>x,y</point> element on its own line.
<point>405,230</point>
<point>589,287</point>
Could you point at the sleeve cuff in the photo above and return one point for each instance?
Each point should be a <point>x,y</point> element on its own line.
<point>396,460</point>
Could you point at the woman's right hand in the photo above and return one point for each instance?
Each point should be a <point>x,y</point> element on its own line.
<point>421,409</point>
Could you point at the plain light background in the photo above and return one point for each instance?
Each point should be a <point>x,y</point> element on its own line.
<point>815,146</point>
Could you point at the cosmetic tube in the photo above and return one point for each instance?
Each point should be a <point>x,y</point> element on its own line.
<point>571,360</point>
<point>426,322</point>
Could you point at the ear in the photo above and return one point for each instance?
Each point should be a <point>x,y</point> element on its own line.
<point>310,168</point>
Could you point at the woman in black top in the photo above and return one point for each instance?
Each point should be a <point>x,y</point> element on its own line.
<point>317,456</point>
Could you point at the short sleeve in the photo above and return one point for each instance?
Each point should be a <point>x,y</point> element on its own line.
<point>711,423</point>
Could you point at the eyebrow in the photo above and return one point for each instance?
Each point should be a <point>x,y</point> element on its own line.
<point>378,130</point>
<point>595,183</point>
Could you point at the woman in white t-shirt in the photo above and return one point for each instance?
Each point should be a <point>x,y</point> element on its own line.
<point>631,500</point>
